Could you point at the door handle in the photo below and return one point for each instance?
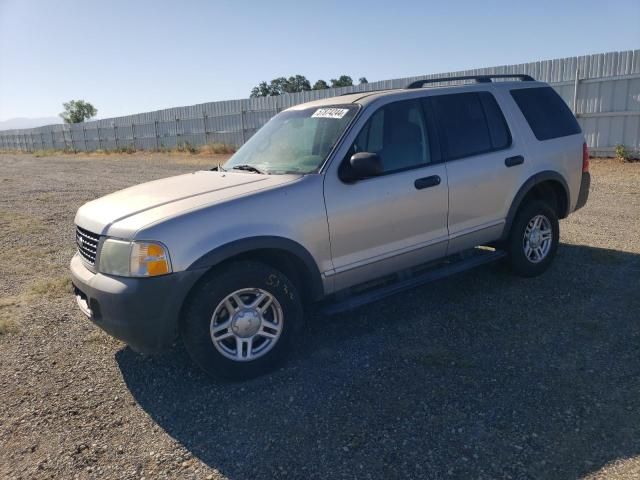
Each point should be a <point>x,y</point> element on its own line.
<point>427,182</point>
<point>513,161</point>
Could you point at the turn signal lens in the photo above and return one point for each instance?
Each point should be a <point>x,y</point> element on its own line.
<point>149,259</point>
<point>154,250</point>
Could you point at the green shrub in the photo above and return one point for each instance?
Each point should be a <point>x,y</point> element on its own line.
<point>625,155</point>
<point>622,153</point>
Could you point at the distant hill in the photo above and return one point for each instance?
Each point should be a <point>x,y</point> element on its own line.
<point>14,123</point>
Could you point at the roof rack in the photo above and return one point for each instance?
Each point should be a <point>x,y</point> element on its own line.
<point>477,78</point>
<point>368,91</point>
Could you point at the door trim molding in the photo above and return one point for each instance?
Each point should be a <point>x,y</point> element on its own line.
<point>477,228</point>
<point>386,256</point>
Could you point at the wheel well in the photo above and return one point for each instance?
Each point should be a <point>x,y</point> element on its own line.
<point>551,192</point>
<point>288,263</point>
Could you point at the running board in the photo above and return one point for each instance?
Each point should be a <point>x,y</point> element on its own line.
<point>451,267</point>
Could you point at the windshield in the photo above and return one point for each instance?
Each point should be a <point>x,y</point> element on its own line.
<point>294,141</point>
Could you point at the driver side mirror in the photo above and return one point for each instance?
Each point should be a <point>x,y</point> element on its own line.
<point>364,165</point>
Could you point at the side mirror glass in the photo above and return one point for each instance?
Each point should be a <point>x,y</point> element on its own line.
<point>365,165</point>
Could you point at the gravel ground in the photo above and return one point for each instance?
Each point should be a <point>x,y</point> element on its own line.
<point>483,375</point>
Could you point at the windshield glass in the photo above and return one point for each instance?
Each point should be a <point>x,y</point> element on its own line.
<point>294,141</point>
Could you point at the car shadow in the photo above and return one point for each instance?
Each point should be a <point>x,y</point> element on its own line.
<point>482,375</point>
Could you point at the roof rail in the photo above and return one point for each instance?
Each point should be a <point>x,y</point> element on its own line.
<point>477,78</point>
<point>367,91</point>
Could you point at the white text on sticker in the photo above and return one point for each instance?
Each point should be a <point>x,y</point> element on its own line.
<point>330,113</point>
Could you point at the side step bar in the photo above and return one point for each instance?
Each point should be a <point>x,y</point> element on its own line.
<point>456,264</point>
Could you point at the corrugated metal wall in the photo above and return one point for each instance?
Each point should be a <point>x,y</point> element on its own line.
<point>607,105</point>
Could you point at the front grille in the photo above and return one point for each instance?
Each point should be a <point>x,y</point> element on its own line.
<point>87,243</point>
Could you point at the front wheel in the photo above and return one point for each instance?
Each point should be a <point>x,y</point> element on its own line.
<point>534,239</point>
<point>241,320</point>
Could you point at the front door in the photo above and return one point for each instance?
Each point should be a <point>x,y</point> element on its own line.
<point>398,219</point>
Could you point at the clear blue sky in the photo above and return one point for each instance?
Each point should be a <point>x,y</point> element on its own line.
<point>139,55</point>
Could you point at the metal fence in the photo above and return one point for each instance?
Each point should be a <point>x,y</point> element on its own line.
<point>602,89</point>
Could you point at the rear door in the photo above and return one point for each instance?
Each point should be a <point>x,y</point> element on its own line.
<point>555,132</point>
<point>484,163</point>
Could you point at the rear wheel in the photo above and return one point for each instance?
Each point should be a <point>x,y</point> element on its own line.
<point>241,320</point>
<point>534,238</point>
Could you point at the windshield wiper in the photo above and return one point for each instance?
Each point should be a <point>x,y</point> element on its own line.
<point>218,168</point>
<point>249,168</point>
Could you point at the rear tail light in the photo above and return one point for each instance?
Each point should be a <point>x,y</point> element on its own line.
<point>585,157</point>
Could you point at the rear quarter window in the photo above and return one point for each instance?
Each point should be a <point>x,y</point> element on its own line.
<point>546,113</point>
<point>498,129</point>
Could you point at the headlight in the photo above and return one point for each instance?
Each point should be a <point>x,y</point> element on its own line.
<point>134,259</point>
<point>115,257</point>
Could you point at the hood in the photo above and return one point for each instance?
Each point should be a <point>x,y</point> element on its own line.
<point>124,212</point>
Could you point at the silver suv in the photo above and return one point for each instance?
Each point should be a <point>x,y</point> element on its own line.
<point>343,200</point>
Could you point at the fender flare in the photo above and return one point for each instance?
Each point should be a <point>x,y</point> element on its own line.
<point>246,245</point>
<point>526,187</point>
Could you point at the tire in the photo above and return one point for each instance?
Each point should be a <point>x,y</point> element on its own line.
<point>531,256</point>
<point>226,336</point>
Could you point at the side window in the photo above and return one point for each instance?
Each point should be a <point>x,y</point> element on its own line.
<point>498,129</point>
<point>546,113</point>
<point>398,134</point>
<point>462,123</point>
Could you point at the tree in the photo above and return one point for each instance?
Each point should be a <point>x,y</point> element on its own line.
<point>262,90</point>
<point>320,85</point>
<point>342,81</point>
<point>281,85</point>
<point>299,83</point>
<point>77,111</point>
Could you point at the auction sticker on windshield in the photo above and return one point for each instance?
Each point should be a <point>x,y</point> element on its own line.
<point>330,113</point>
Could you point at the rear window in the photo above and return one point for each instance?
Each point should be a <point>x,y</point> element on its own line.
<point>546,113</point>
<point>470,124</point>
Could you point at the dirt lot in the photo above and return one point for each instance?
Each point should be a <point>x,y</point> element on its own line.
<point>482,375</point>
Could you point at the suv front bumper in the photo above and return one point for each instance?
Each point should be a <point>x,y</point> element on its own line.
<point>143,312</point>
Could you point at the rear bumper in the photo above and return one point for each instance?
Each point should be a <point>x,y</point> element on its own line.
<point>143,312</point>
<point>585,185</point>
